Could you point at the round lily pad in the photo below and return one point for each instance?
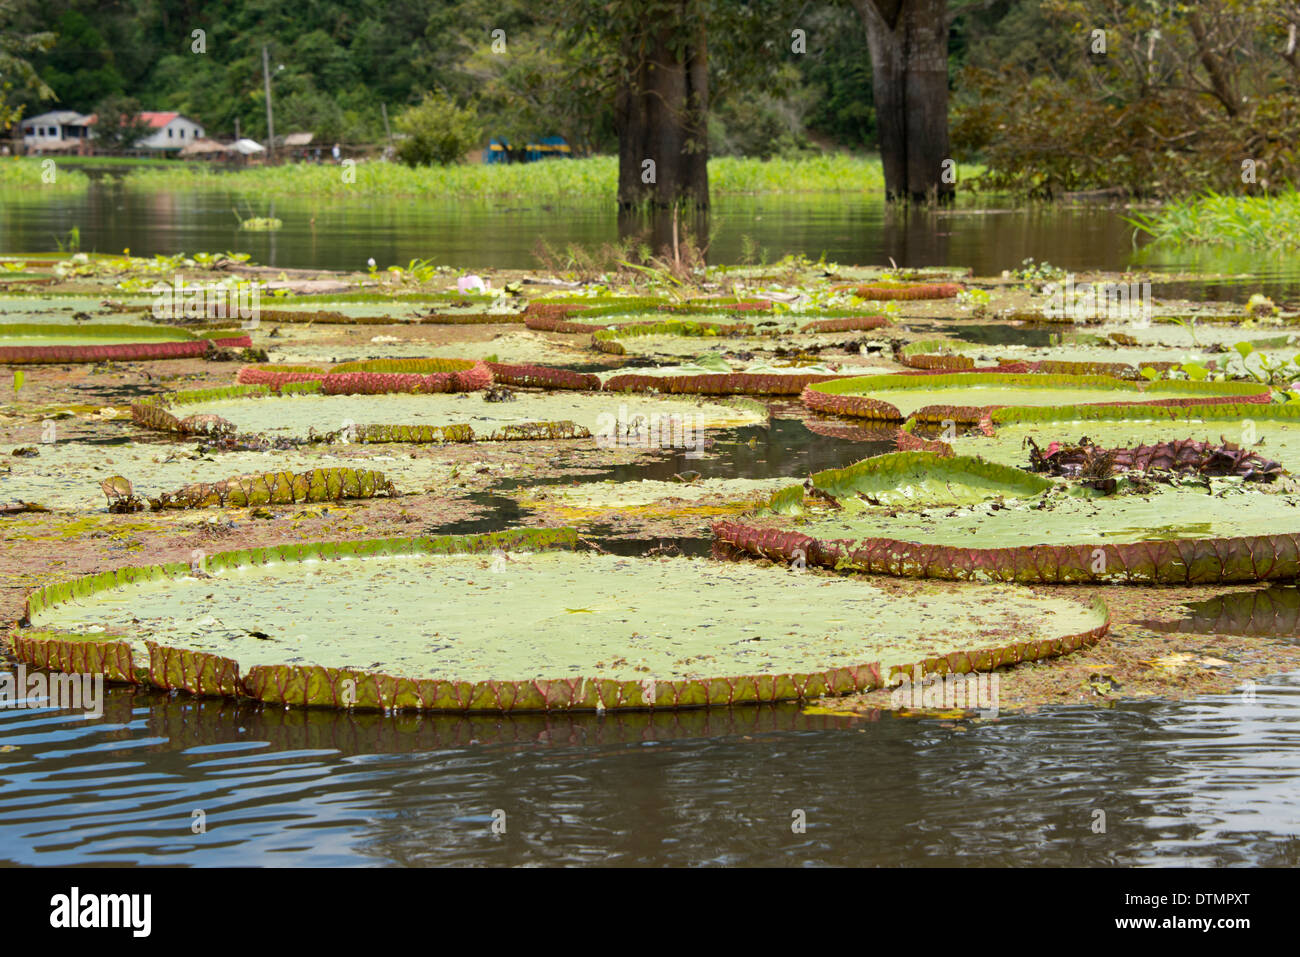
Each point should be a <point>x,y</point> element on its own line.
<point>67,475</point>
<point>47,343</point>
<point>508,622</point>
<point>1187,534</point>
<point>1273,431</point>
<point>406,417</point>
<point>968,396</point>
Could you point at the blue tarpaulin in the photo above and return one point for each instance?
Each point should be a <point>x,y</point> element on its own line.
<point>543,148</point>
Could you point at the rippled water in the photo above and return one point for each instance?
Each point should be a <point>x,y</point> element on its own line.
<point>1205,782</point>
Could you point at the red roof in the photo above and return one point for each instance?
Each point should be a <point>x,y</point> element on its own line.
<point>158,120</point>
<point>155,120</point>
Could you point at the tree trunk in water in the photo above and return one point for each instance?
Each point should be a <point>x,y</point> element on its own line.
<point>661,115</point>
<point>908,43</point>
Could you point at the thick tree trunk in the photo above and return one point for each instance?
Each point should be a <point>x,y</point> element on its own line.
<point>908,43</point>
<point>889,87</point>
<point>661,115</point>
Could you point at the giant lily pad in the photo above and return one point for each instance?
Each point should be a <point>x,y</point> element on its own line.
<point>462,624</point>
<point>910,479</point>
<point>299,410</point>
<point>688,496</point>
<point>1272,431</point>
<point>377,376</point>
<point>67,475</point>
<point>968,396</point>
<point>1169,535</point>
<point>47,343</point>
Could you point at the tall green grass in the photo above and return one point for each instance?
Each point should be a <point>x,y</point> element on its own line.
<point>25,172</point>
<point>1216,219</point>
<point>590,178</point>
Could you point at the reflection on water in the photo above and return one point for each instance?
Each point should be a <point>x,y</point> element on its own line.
<point>784,448</point>
<point>1272,611</point>
<point>849,228</point>
<point>1005,334</point>
<point>1207,782</point>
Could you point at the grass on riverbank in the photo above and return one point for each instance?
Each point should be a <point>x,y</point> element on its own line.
<point>1216,219</point>
<point>590,178</point>
<point>154,162</point>
<point>28,172</point>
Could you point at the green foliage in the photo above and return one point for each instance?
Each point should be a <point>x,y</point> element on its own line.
<point>70,243</point>
<point>761,124</point>
<point>590,178</point>
<point>118,126</point>
<point>1260,222</point>
<point>836,75</point>
<point>1178,89</point>
<point>24,173</point>
<point>1031,271</point>
<point>438,132</point>
<point>17,75</point>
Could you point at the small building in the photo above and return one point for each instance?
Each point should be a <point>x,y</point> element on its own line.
<point>170,132</point>
<point>58,131</point>
<point>296,146</point>
<point>205,149</point>
<point>69,131</point>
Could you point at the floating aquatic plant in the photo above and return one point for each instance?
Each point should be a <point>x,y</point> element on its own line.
<point>849,324</point>
<point>882,291</point>
<point>852,519</point>
<point>375,377</point>
<point>971,396</point>
<point>606,340</point>
<point>314,415</point>
<point>79,343</point>
<point>729,383</point>
<point>447,647</point>
<point>279,488</point>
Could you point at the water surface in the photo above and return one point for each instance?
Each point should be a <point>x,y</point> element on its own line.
<point>1203,782</point>
<point>987,234</point>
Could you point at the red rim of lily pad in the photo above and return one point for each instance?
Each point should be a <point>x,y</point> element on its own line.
<point>119,352</point>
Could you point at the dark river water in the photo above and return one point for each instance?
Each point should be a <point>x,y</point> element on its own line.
<point>988,235</point>
<point>1206,782</point>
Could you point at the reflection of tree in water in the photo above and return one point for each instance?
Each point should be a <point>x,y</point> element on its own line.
<point>785,449</point>
<point>1274,610</point>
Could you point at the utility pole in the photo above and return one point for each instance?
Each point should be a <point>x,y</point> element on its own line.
<point>270,124</point>
<point>236,128</point>
<point>383,108</point>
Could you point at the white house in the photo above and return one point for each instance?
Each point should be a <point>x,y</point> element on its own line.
<point>171,131</point>
<point>63,130</point>
<point>57,130</point>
